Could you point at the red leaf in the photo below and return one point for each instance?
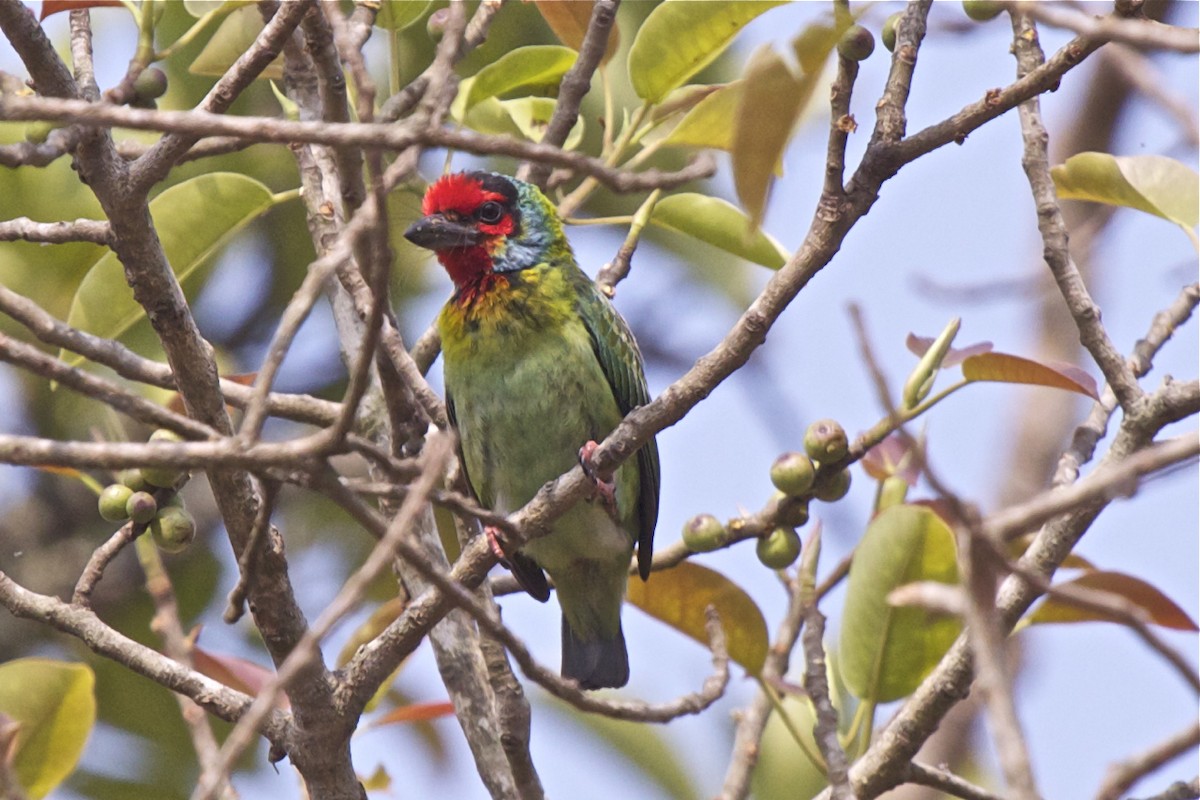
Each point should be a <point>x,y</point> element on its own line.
<point>892,457</point>
<point>236,673</point>
<point>917,345</point>
<point>1005,368</point>
<point>415,712</point>
<point>1161,609</point>
<point>54,6</point>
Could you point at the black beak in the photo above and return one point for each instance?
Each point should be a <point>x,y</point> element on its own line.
<point>436,232</point>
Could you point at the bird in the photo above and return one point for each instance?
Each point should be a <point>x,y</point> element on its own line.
<point>539,366</point>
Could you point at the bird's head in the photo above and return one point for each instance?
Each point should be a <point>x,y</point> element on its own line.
<point>482,224</point>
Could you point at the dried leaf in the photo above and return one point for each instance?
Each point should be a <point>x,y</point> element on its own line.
<point>1005,368</point>
<point>414,712</point>
<point>678,596</point>
<point>1160,609</point>
<point>569,20</point>
<point>236,673</point>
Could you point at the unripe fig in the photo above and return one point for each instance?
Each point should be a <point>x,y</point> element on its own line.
<point>826,441</point>
<point>888,32</point>
<point>982,10</point>
<point>112,502</point>
<point>856,44</point>
<point>162,477</point>
<point>141,507</point>
<point>132,478</point>
<point>779,549</point>
<point>150,84</point>
<point>703,533</point>
<point>173,529</point>
<point>793,473</point>
<point>834,487</point>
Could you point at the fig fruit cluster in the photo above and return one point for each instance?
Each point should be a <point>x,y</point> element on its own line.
<point>149,497</point>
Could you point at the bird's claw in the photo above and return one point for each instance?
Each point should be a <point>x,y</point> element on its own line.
<point>495,540</point>
<point>605,487</point>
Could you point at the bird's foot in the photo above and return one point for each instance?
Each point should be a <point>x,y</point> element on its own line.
<point>605,488</point>
<point>495,540</point>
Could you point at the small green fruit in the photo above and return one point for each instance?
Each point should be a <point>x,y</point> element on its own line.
<point>982,10</point>
<point>132,478</point>
<point>888,32</point>
<point>826,441</point>
<point>112,502</point>
<point>779,549</point>
<point>704,533</point>
<point>856,44</point>
<point>150,84</point>
<point>834,487</point>
<point>173,529</point>
<point>162,477</point>
<point>141,507</point>
<point>793,473</point>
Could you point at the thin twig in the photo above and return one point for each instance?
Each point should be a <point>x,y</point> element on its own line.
<point>1121,776</point>
<point>816,683</point>
<point>196,124</point>
<point>1144,34</point>
<point>80,230</point>
<point>947,782</point>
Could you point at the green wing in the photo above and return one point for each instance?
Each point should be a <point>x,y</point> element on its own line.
<point>621,362</point>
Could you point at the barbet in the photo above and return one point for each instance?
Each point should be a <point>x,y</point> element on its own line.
<point>538,367</point>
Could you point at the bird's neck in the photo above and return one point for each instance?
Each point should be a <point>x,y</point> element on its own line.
<point>468,267</point>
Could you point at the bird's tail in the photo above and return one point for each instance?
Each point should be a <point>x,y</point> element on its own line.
<point>597,663</point>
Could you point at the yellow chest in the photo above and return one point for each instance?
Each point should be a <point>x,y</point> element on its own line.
<point>502,317</point>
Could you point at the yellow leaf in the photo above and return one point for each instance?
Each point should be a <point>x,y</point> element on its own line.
<point>678,596</point>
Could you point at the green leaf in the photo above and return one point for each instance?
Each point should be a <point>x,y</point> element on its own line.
<point>681,37</point>
<point>233,38</point>
<point>679,595</point>
<point>1158,608</point>
<point>537,68</point>
<point>1005,368</point>
<point>55,704</point>
<point>1155,184</point>
<point>887,651</point>
<point>396,15</point>
<point>711,121</point>
<point>720,224</point>
<point>532,116</point>
<point>193,219</point>
<point>198,8</point>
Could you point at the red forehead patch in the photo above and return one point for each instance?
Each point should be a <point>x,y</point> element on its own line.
<point>459,192</point>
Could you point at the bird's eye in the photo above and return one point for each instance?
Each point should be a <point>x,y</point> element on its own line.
<point>491,212</point>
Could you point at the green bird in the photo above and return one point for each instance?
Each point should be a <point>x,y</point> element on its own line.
<point>539,367</point>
